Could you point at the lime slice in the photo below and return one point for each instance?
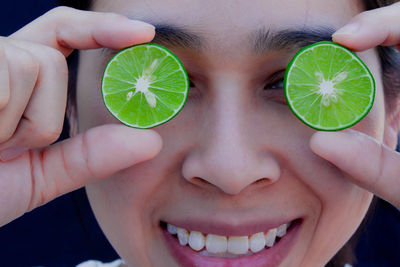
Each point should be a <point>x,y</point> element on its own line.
<point>144,86</point>
<point>328,87</point>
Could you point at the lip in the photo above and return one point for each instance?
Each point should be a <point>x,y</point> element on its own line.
<point>270,257</point>
<point>227,227</point>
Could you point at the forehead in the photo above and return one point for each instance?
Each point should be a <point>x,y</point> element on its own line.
<point>222,15</point>
<point>226,26</point>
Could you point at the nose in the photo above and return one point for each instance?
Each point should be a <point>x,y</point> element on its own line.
<point>230,155</point>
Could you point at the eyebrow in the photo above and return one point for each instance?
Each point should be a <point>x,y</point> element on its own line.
<point>261,40</point>
<point>289,39</point>
<point>170,35</point>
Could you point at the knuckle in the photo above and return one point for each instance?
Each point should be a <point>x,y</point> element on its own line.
<point>57,59</point>
<point>49,134</point>
<point>28,65</point>
<point>114,16</point>
<point>42,135</point>
<point>364,16</point>
<point>6,134</point>
<point>60,10</point>
<point>60,14</point>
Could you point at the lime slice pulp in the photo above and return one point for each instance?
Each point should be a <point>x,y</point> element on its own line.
<point>328,87</point>
<point>144,86</point>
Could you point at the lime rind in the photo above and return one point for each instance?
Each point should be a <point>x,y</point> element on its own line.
<point>340,114</point>
<point>126,102</point>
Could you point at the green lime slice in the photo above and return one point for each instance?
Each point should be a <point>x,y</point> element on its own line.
<point>328,87</point>
<point>144,86</point>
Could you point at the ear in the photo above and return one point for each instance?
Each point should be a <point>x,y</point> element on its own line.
<point>392,124</point>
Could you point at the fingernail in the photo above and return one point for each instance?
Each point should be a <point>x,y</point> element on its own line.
<point>12,153</point>
<point>348,29</point>
<point>141,24</point>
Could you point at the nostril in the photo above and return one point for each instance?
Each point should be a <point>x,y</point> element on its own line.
<point>262,181</point>
<point>200,182</point>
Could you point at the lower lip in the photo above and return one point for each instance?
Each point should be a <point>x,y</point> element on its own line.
<point>270,257</point>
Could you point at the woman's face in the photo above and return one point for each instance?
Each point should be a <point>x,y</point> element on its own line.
<point>235,161</point>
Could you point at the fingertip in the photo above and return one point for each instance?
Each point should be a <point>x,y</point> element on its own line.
<point>123,33</point>
<point>148,142</point>
<point>136,144</point>
<point>350,41</point>
<point>316,142</point>
<point>346,31</point>
<point>325,144</point>
<point>156,141</point>
<point>102,30</point>
<point>114,147</point>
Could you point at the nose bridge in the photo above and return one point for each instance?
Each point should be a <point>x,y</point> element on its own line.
<point>227,145</point>
<point>227,142</point>
<point>229,158</point>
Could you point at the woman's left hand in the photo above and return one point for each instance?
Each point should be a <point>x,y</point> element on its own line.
<point>371,28</point>
<point>367,162</point>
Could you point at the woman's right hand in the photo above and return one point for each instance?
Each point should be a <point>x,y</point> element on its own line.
<point>33,94</point>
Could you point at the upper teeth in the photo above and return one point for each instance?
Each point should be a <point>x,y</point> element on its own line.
<point>220,245</point>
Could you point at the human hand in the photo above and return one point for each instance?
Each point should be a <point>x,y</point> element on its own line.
<point>367,162</point>
<point>33,93</point>
<point>371,28</point>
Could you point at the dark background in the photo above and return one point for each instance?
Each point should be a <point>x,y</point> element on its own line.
<point>65,232</point>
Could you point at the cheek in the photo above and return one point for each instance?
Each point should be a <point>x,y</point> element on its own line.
<point>124,206</point>
<point>339,219</point>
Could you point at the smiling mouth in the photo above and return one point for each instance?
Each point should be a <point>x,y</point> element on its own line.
<point>265,248</point>
<point>227,246</point>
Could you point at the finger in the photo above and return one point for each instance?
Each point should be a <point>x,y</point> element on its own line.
<point>367,162</point>
<point>23,72</point>
<point>97,154</point>
<point>4,80</point>
<point>66,29</point>
<point>43,118</point>
<point>371,28</point>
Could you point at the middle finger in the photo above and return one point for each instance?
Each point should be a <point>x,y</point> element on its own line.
<point>43,118</point>
<point>23,70</point>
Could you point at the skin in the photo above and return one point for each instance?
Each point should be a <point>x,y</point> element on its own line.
<point>235,151</point>
<point>224,160</point>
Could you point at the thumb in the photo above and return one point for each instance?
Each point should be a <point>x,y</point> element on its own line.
<point>365,161</point>
<point>89,157</point>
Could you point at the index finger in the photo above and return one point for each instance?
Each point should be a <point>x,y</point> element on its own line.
<point>371,28</point>
<point>367,162</point>
<point>66,29</point>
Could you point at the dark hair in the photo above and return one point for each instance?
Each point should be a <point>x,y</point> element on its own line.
<point>390,64</point>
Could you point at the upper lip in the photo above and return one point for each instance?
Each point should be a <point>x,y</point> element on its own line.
<point>226,226</point>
